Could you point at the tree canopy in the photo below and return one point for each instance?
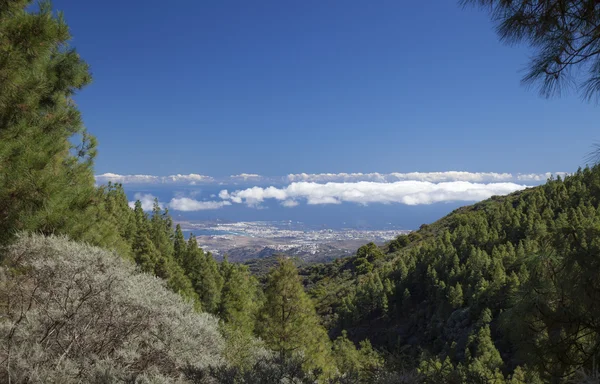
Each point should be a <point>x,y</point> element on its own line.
<point>564,35</point>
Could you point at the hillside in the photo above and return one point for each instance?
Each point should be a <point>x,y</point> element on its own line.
<point>507,282</point>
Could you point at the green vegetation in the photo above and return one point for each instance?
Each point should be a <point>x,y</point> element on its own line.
<point>91,290</point>
<point>289,324</point>
<point>45,178</point>
<point>505,287</point>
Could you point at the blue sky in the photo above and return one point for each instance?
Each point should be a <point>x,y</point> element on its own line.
<point>278,87</point>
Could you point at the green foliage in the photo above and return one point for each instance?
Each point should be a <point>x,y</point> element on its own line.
<point>289,324</point>
<point>179,245</point>
<point>370,251</point>
<point>119,216</point>
<point>204,275</point>
<point>239,297</point>
<point>400,242</point>
<point>360,364</point>
<point>46,155</point>
<point>503,283</point>
<point>455,296</point>
<point>483,361</point>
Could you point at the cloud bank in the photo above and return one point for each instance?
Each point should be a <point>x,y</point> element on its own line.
<point>192,178</point>
<point>413,188</point>
<point>410,192</point>
<point>434,177</point>
<point>186,204</point>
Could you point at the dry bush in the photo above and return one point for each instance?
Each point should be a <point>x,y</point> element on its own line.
<point>72,313</point>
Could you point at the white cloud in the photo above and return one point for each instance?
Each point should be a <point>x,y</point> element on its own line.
<point>147,201</point>
<point>246,176</point>
<point>186,204</point>
<point>322,177</point>
<point>116,178</point>
<point>290,203</point>
<point>437,177</point>
<point>177,203</point>
<point>434,177</point>
<point>539,176</point>
<point>192,178</point>
<point>407,192</point>
<point>224,195</point>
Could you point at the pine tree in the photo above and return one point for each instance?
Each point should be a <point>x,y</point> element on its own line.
<point>239,297</point>
<point>370,251</point>
<point>144,251</point>
<point>484,361</point>
<point>455,296</point>
<point>117,207</point>
<point>46,155</point>
<point>213,273</point>
<point>204,276</point>
<point>357,364</point>
<point>160,232</point>
<point>114,207</point>
<point>289,323</point>
<point>153,250</point>
<point>179,245</point>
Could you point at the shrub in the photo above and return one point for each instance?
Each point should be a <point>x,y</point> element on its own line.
<point>72,313</point>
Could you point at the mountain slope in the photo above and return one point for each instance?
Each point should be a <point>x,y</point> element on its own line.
<point>516,275</point>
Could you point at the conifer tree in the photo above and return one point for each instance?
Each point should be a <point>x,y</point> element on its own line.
<point>153,250</point>
<point>144,251</point>
<point>370,251</point>
<point>239,297</point>
<point>356,364</point>
<point>455,296</point>
<point>179,245</point>
<point>117,207</point>
<point>204,277</point>
<point>213,273</point>
<point>46,155</point>
<point>289,323</point>
<point>160,232</point>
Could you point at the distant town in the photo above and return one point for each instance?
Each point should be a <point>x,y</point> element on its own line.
<point>246,240</point>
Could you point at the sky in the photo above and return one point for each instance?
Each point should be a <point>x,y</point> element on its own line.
<point>278,88</point>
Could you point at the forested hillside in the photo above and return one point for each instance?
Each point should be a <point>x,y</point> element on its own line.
<point>508,285</point>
